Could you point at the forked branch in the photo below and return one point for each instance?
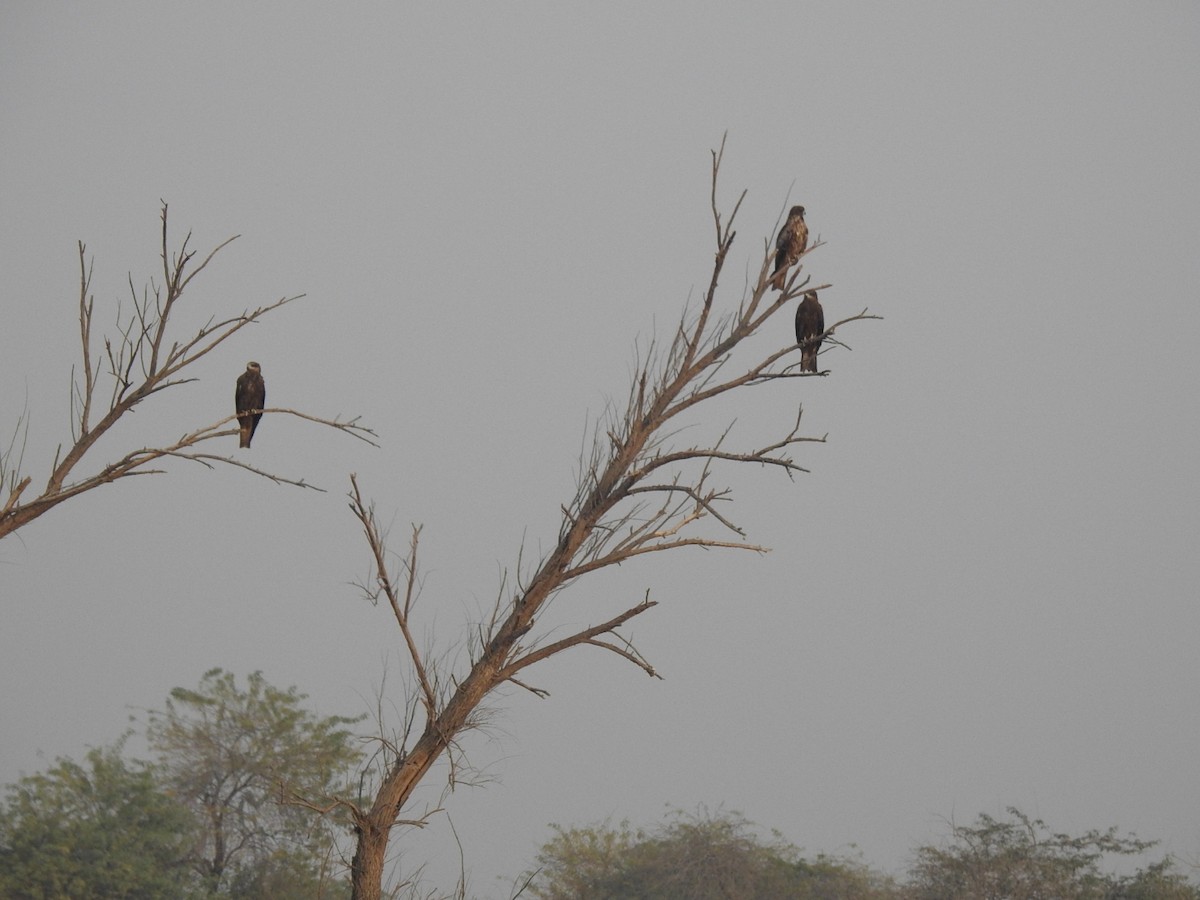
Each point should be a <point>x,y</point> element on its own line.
<point>386,586</point>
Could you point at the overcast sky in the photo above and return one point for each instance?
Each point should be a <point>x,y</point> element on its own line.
<point>987,591</point>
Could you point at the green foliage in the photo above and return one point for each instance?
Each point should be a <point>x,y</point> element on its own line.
<point>215,818</point>
<point>1021,859</point>
<point>696,857</point>
<point>241,760</point>
<point>575,861</point>
<point>208,822</point>
<point>1157,881</point>
<point>97,830</point>
<point>702,857</point>
<point>284,876</point>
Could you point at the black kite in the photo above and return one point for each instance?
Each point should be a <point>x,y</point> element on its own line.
<point>792,241</point>
<point>810,324</point>
<point>251,394</point>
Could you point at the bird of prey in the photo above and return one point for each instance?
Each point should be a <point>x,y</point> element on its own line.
<point>810,325</point>
<point>251,394</point>
<point>792,241</point>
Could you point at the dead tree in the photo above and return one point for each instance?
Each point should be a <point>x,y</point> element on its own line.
<point>145,357</point>
<point>638,494</point>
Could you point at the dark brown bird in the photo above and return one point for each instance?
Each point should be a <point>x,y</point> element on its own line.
<point>251,394</point>
<point>810,323</point>
<point>792,241</point>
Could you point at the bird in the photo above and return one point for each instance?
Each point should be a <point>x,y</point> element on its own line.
<point>810,325</point>
<point>251,394</point>
<point>792,241</point>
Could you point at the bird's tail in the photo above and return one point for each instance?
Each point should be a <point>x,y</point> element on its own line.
<point>244,436</point>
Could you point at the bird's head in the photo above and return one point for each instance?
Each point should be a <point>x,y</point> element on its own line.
<point>253,367</point>
<point>796,211</point>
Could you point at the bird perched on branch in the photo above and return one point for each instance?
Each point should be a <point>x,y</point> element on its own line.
<point>251,394</point>
<point>810,323</point>
<point>792,241</point>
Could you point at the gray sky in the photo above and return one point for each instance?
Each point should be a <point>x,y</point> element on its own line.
<point>985,594</point>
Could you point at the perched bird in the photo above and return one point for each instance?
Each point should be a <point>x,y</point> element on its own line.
<point>810,323</point>
<point>251,394</point>
<point>792,241</point>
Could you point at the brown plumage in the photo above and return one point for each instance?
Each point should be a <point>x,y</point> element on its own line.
<point>251,394</point>
<point>792,241</point>
<point>810,323</point>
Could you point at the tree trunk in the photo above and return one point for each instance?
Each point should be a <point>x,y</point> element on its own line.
<point>366,870</point>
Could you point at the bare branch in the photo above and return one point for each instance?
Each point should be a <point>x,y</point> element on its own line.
<point>86,305</point>
<point>375,540</point>
<point>588,635</point>
<point>292,798</point>
<point>10,469</point>
<point>628,651</point>
<point>143,358</point>
<point>616,558</point>
<point>14,495</point>
<point>540,693</point>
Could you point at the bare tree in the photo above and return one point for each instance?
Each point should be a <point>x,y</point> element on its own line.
<point>638,494</point>
<point>144,357</point>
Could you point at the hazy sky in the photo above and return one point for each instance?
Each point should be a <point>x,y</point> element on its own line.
<point>987,591</point>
